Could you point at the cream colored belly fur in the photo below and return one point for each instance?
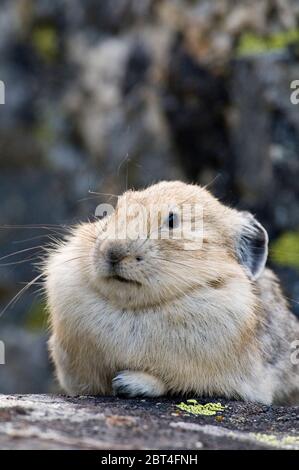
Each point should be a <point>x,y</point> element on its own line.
<point>92,348</point>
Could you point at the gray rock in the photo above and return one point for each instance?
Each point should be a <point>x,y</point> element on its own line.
<point>27,368</point>
<point>56,422</point>
<point>265,138</point>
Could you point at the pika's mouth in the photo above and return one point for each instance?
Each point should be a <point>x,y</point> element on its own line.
<point>124,280</point>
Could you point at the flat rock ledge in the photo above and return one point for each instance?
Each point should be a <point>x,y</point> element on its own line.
<point>59,422</point>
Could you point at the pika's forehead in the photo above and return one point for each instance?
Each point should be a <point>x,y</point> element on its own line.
<point>164,196</point>
<point>171,193</point>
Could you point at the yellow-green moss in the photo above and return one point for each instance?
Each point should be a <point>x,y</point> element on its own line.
<point>251,43</point>
<point>195,408</point>
<point>285,250</point>
<point>274,440</point>
<point>44,133</point>
<point>36,318</point>
<point>45,41</point>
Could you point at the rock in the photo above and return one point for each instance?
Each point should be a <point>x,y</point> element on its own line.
<point>195,98</point>
<point>28,200</point>
<point>264,164</point>
<point>57,422</point>
<point>27,368</point>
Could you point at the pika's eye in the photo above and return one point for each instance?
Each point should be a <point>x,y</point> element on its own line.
<point>103,211</point>
<point>101,216</point>
<point>173,220</point>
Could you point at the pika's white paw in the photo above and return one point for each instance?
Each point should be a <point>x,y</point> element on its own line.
<point>137,384</point>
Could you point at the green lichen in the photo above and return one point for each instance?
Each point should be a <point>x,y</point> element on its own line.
<point>44,133</point>
<point>195,408</point>
<point>45,41</point>
<point>285,250</point>
<point>251,43</point>
<point>45,130</point>
<point>277,441</point>
<point>36,318</point>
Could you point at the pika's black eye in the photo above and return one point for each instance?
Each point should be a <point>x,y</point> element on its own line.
<point>102,215</point>
<point>173,220</point>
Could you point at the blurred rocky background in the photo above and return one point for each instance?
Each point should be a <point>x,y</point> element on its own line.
<point>105,95</point>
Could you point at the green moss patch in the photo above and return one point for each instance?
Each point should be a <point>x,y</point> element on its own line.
<point>251,43</point>
<point>45,40</point>
<point>36,319</point>
<point>285,250</point>
<point>276,441</point>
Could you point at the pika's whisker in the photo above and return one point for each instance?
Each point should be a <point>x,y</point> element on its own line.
<point>13,263</point>
<point>34,227</point>
<point>103,194</point>
<point>32,238</point>
<point>22,251</point>
<point>19,294</point>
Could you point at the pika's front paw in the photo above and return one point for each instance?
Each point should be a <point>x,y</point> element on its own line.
<point>137,384</point>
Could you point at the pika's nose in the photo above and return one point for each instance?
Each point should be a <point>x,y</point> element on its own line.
<point>114,254</point>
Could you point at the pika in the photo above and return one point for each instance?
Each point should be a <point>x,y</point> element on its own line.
<point>151,316</point>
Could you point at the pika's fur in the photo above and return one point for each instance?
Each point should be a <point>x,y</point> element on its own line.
<point>149,317</point>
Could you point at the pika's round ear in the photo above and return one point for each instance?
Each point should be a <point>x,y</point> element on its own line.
<point>252,246</point>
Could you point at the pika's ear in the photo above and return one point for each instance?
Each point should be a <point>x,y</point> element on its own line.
<point>252,246</point>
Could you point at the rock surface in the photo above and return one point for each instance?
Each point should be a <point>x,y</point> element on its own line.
<point>58,422</point>
<point>26,367</point>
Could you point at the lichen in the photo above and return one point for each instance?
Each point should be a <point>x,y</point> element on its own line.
<point>195,408</point>
<point>285,250</point>
<point>36,318</point>
<point>251,43</point>
<point>277,441</point>
<point>45,41</point>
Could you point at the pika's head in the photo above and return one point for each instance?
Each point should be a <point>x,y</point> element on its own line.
<point>168,240</point>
